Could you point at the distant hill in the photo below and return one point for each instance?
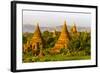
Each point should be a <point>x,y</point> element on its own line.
<point>31,28</point>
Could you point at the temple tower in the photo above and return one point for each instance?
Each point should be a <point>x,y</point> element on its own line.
<point>63,39</point>
<point>74,29</point>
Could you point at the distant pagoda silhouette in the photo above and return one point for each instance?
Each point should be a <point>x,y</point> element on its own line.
<point>74,29</point>
<point>63,39</point>
<point>54,33</point>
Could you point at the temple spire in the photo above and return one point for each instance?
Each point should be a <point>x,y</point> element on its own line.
<point>63,39</point>
<point>37,32</point>
<point>36,43</point>
<point>74,29</point>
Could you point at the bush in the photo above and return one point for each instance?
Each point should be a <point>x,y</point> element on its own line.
<point>80,43</point>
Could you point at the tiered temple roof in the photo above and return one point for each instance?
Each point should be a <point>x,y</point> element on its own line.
<point>74,29</point>
<point>63,39</point>
<point>36,43</point>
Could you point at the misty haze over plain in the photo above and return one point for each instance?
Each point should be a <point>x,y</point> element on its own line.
<point>54,20</point>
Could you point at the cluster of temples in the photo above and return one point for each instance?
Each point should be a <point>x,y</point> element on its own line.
<point>37,41</point>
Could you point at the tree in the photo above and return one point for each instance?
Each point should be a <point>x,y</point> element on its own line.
<point>24,39</point>
<point>74,43</point>
<point>80,43</point>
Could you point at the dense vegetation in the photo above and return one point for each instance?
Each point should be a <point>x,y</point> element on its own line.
<point>79,48</point>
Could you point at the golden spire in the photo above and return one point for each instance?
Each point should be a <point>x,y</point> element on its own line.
<point>37,32</point>
<point>63,39</point>
<point>37,36</point>
<point>64,32</point>
<point>36,40</point>
<point>74,29</point>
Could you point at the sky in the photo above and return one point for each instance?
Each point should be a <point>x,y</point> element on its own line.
<point>52,19</point>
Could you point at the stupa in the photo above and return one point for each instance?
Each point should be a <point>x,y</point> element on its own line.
<point>37,39</point>
<point>36,43</point>
<point>63,39</point>
<point>74,29</point>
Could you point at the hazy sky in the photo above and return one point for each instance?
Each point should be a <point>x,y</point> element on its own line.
<point>52,19</point>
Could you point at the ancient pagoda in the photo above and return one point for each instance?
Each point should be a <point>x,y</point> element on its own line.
<point>63,39</point>
<point>36,43</point>
<point>74,29</point>
<point>54,33</point>
<point>37,38</point>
